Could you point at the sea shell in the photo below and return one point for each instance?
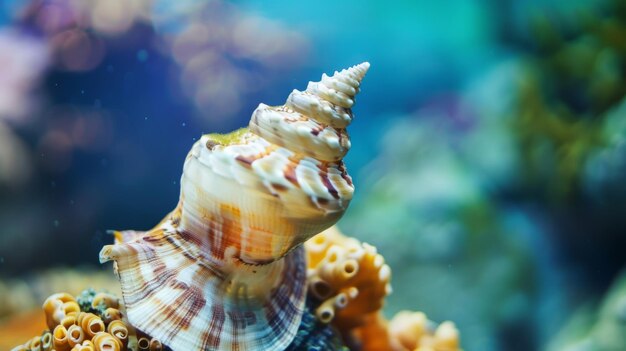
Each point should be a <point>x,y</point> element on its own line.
<point>225,270</point>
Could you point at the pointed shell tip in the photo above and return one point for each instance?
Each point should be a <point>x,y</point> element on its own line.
<point>361,68</point>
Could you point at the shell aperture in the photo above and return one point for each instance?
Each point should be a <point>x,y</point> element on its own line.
<point>225,270</point>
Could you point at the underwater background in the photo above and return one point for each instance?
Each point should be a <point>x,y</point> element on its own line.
<point>488,148</point>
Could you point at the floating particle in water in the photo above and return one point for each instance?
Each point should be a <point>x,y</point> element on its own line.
<point>142,55</point>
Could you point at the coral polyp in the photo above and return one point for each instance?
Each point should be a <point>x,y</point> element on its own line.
<point>71,325</point>
<point>349,280</point>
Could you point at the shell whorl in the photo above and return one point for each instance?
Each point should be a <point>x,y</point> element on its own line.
<point>273,186</point>
<point>313,122</point>
<point>225,270</point>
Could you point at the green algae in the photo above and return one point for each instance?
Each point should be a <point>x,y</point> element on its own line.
<point>228,138</point>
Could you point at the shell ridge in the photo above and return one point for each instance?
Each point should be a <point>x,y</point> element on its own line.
<point>226,269</point>
<point>327,102</point>
<point>165,300</point>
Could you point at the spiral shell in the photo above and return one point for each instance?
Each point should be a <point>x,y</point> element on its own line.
<point>225,270</point>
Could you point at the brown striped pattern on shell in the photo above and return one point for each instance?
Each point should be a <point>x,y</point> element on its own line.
<point>279,183</point>
<point>203,307</point>
<point>225,270</point>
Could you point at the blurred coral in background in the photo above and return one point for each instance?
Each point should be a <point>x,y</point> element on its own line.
<point>22,61</point>
<point>226,55</point>
<point>489,151</point>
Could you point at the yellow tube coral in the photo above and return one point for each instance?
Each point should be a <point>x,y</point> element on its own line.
<point>37,343</point>
<point>111,314</point>
<point>69,320</point>
<point>413,331</point>
<point>75,335</point>
<point>78,330</point>
<point>34,344</point>
<point>87,345</point>
<point>350,278</point>
<point>155,345</point>
<point>119,330</point>
<point>60,339</point>
<point>407,331</point>
<point>90,323</point>
<point>58,306</point>
<point>446,337</point>
<point>143,344</point>
<point>46,341</point>
<point>408,328</point>
<point>104,341</point>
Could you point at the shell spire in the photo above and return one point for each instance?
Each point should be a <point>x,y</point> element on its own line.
<point>225,270</point>
<point>313,122</point>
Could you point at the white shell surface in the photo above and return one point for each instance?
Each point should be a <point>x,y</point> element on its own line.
<point>225,270</point>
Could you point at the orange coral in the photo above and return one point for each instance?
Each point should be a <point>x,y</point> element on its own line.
<point>71,329</point>
<point>407,331</point>
<point>413,331</point>
<point>57,307</point>
<point>351,280</point>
